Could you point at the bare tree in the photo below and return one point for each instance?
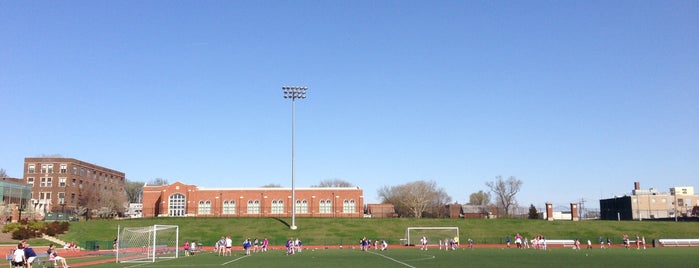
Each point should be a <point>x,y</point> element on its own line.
<point>415,198</point>
<point>88,199</point>
<point>334,183</point>
<point>505,191</point>
<point>134,191</point>
<point>3,173</point>
<point>479,198</point>
<point>158,182</point>
<point>272,185</point>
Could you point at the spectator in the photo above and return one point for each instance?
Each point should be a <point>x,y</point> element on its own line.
<point>53,256</point>
<point>18,258</point>
<point>29,254</point>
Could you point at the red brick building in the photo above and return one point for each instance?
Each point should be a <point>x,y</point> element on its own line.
<point>183,200</point>
<point>59,183</point>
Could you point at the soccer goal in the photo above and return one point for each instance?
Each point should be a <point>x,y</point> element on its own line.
<point>145,244</point>
<point>433,234</point>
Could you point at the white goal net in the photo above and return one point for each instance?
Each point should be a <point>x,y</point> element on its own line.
<point>145,244</point>
<point>434,235</point>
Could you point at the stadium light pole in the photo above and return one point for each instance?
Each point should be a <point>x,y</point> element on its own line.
<point>293,93</point>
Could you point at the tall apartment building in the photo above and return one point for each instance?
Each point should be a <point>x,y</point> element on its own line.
<point>63,184</point>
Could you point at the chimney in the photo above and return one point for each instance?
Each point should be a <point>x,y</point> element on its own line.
<point>636,185</point>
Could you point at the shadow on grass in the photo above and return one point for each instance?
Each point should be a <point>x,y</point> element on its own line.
<point>283,222</point>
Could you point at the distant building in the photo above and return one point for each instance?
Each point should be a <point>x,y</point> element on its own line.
<point>58,184</point>
<point>135,210</point>
<point>183,200</point>
<point>649,204</point>
<point>381,210</point>
<point>15,197</point>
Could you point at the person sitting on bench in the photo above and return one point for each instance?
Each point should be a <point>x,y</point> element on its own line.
<point>53,256</point>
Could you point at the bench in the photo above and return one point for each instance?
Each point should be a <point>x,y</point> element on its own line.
<point>562,242</point>
<point>41,261</point>
<point>687,242</point>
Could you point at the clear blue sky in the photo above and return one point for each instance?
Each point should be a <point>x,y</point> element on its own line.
<point>578,99</point>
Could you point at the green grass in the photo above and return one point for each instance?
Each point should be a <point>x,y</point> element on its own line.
<point>412,257</point>
<point>346,231</point>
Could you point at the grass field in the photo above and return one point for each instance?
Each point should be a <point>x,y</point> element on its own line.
<point>346,231</point>
<point>413,257</point>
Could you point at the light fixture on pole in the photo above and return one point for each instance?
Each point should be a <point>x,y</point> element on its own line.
<point>293,93</point>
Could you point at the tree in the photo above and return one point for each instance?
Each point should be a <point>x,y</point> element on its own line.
<point>158,182</point>
<point>272,185</point>
<point>334,183</point>
<point>415,198</point>
<point>134,191</point>
<point>480,198</point>
<point>505,191</point>
<point>3,173</point>
<point>533,214</point>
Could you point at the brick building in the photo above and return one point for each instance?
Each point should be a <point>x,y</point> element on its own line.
<point>183,200</point>
<point>58,184</point>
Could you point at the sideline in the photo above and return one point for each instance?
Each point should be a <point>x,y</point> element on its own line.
<point>235,260</point>
<point>387,257</point>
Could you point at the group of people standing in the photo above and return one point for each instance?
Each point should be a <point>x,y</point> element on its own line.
<point>538,242</point>
<point>293,246</point>
<point>451,243</point>
<point>366,244</point>
<point>640,241</point>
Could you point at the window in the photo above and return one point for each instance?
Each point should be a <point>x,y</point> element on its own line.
<point>302,206</point>
<point>254,207</point>
<point>73,182</point>
<point>176,206</point>
<point>43,182</point>
<point>228,207</point>
<point>326,206</point>
<point>64,168</point>
<point>75,170</point>
<point>44,168</point>
<point>348,206</point>
<point>62,182</point>
<point>61,198</point>
<point>204,207</point>
<point>31,168</point>
<point>45,196</point>
<point>72,198</point>
<point>277,206</point>
<point>50,168</point>
<point>30,181</point>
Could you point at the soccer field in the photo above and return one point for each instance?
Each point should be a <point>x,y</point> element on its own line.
<point>413,257</point>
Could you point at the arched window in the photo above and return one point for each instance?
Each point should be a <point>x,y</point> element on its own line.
<point>228,207</point>
<point>253,206</point>
<point>277,206</point>
<point>348,206</point>
<point>176,205</point>
<point>326,206</point>
<point>204,207</point>
<point>302,206</point>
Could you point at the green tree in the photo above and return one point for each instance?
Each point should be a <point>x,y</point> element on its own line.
<point>533,214</point>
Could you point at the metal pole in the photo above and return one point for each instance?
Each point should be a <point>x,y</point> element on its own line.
<point>293,93</point>
<point>293,184</point>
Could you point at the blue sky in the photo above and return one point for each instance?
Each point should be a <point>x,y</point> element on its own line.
<point>578,99</point>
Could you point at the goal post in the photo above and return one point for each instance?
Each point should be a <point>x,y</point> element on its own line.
<point>145,244</point>
<point>433,234</point>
